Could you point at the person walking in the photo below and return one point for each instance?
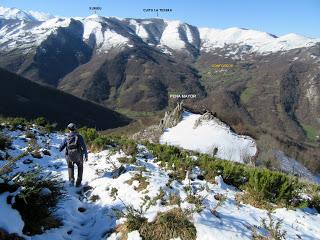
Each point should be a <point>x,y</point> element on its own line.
<point>75,151</point>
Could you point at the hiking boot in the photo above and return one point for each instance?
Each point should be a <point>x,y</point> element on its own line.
<point>78,184</point>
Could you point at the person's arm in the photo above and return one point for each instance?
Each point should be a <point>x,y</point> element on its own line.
<point>63,145</point>
<point>83,147</point>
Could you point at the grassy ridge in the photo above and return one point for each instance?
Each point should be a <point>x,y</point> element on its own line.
<point>263,185</point>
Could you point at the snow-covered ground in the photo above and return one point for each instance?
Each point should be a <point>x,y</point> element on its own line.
<point>232,221</point>
<point>209,135</point>
<point>291,165</point>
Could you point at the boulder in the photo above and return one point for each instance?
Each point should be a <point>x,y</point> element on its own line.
<point>117,172</point>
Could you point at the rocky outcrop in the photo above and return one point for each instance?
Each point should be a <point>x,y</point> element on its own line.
<point>153,132</point>
<point>207,116</point>
<point>172,118</point>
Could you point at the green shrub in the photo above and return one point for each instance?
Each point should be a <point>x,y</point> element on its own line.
<point>273,186</point>
<point>128,146</point>
<point>15,122</point>
<point>49,128</point>
<point>36,208</point>
<point>89,134</point>
<point>315,201</point>
<point>30,135</point>
<point>101,142</point>
<point>40,121</point>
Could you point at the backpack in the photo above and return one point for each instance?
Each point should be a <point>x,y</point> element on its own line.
<point>73,147</point>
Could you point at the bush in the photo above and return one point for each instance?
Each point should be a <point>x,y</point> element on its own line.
<point>315,201</point>
<point>143,182</point>
<point>272,186</point>
<point>41,121</point>
<point>5,142</point>
<point>16,122</point>
<point>30,135</point>
<point>173,157</point>
<point>127,160</point>
<point>169,225</point>
<point>37,201</point>
<point>89,134</point>
<point>101,142</point>
<point>262,184</point>
<point>272,227</point>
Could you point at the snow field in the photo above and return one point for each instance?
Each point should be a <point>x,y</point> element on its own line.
<point>207,136</point>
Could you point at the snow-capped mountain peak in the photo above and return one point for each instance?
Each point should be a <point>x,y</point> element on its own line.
<point>14,13</point>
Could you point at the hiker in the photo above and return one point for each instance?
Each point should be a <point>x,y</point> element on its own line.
<point>75,149</point>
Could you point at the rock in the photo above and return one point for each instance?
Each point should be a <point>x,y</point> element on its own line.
<point>6,236</point>
<point>6,187</point>
<point>69,232</point>
<point>45,192</point>
<point>200,177</point>
<point>36,154</point>
<point>27,161</point>
<point>82,209</point>
<point>9,199</point>
<point>208,116</point>
<point>171,119</point>
<point>46,152</point>
<point>117,172</point>
<point>153,132</point>
<point>1,180</point>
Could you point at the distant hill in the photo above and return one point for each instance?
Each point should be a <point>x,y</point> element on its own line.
<point>20,97</point>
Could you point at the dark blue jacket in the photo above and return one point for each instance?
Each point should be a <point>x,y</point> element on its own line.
<point>81,142</point>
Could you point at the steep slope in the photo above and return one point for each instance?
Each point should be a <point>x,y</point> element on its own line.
<point>138,78</point>
<point>22,98</point>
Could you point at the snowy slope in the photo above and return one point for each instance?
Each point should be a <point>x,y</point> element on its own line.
<point>260,42</point>
<point>234,221</point>
<point>27,35</point>
<point>105,37</point>
<point>292,166</point>
<point>207,136</point>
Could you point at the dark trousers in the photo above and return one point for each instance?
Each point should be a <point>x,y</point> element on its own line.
<point>71,170</point>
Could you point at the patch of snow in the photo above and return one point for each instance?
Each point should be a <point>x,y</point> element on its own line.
<point>105,38</point>
<point>134,235</point>
<point>171,36</point>
<point>291,165</point>
<point>209,135</point>
<point>10,219</point>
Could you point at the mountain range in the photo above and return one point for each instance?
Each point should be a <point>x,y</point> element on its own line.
<point>259,83</point>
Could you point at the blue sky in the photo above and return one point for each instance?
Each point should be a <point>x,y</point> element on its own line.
<point>274,16</point>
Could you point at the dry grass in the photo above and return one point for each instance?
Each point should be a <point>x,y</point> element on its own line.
<point>143,182</point>
<point>168,225</point>
<point>256,200</point>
